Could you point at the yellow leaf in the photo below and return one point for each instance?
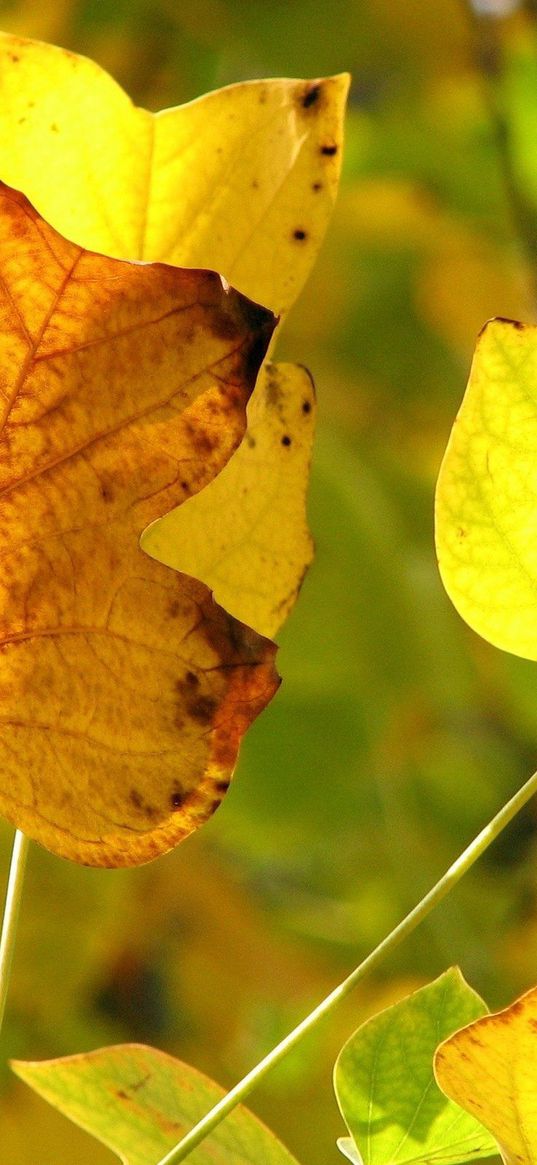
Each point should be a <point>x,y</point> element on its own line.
<point>241,181</point>
<point>486,506</point>
<point>245,534</point>
<point>125,689</point>
<point>490,1069</point>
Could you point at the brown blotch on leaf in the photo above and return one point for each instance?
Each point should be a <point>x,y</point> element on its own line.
<point>107,493</point>
<point>203,709</point>
<point>121,1095</point>
<point>174,609</point>
<point>329,150</point>
<point>300,234</point>
<point>214,806</point>
<point>192,679</point>
<point>136,799</point>
<point>311,95</point>
<point>222,786</point>
<point>316,186</point>
<point>177,799</point>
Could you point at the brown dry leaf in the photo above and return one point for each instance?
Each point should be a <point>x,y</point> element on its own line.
<point>125,689</point>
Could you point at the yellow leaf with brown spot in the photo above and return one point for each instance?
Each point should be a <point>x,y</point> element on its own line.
<point>124,688</point>
<point>241,181</point>
<point>490,1069</point>
<point>245,534</point>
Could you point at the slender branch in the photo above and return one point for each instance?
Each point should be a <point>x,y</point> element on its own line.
<point>488,51</point>
<point>11,914</point>
<point>412,920</point>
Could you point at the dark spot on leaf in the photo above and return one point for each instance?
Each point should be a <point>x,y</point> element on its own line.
<point>177,799</point>
<point>306,406</point>
<point>286,440</point>
<point>329,150</point>
<point>192,679</point>
<point>222,786</point>
<point>184,485</point>
<point>121,1095</point>
<point>300,234</point>
<point>174,609</point>
<point>13,57</point>
<point>255,184</point>
<point>136,798</point>
<point>250,441</point>
<point>21,120</point>
<point>214,806</point>
<point>203,709</point>
<point>311,96</point>
<point>107,492</point>
<point>54,128</point>
<point>316,186</point>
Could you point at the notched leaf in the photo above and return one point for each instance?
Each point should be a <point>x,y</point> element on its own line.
<point>224,182</point>
<point>124,688</point>
<point>246,535</point>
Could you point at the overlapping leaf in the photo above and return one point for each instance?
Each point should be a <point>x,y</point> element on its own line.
<point>241,181</point>
<point>487,492</point>
<point>246,532</point>
<point>140,1102</point>
<point>125,689</point>
<point>489,1069</point>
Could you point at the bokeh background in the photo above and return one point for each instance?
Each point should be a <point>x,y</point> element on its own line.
<point>397,732</point>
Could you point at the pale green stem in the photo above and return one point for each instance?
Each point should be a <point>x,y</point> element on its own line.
<point>404,928</point>
<point>11,914</point>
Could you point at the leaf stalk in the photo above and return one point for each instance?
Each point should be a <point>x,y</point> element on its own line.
<point>11,914</point>
<point>442,888</point>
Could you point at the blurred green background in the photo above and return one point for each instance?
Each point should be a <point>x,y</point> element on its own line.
<point>397,732</point>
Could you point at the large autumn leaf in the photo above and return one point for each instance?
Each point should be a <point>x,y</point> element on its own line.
<point>125,689</point>
<point>140,1102</point>
<point>489,1068</point>
<point>241,181</point>
<point>486,506</point>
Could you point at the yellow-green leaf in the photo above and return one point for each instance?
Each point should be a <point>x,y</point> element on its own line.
<point>245,534</point>
<point>490,1069</point>
<point>125,689</point>
<point>486,507</point>
<point>242,180</point>
<point>385,1086</point>
<point>140,1102</point>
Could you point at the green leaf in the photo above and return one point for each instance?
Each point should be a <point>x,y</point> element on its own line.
<point>386,1088</point>
<point>140,1102</point>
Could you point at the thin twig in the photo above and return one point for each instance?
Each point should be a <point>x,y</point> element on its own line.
<point>453,875</point>
<point>489,57</point>
<point>11,914</point>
